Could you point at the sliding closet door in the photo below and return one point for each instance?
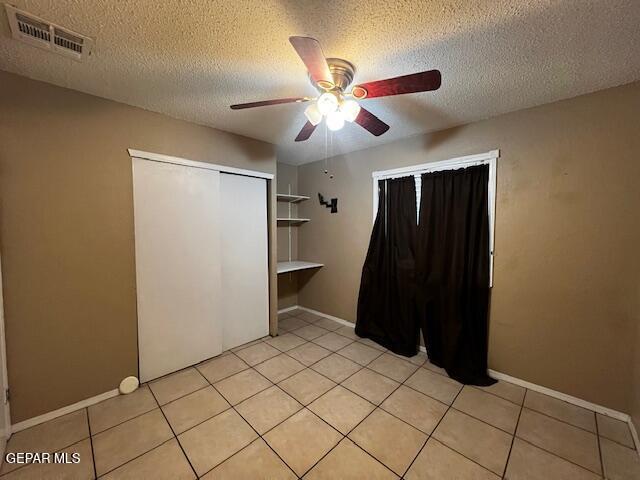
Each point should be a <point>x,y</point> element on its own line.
<point>177,241</point>
<point>245,279</point>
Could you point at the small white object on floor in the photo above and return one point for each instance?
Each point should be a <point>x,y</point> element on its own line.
<point>129,385</point>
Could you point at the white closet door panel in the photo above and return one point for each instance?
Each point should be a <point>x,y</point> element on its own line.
<point>177,241</point>
<point>245,280</point>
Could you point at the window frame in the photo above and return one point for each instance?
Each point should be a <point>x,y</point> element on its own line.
<point>488,158</point>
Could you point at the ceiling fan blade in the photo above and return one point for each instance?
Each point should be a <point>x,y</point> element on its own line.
<point>265,103</point>
<point>416,82</point>
<point>311,54</point>
<point>370,122</point>
<point>306,132</point>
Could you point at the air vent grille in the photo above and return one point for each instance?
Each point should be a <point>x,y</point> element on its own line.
<point>67,40</point>
<point>38,32</point>
<point>33,28</point>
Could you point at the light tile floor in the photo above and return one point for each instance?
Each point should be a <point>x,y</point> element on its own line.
<point>316,402</point>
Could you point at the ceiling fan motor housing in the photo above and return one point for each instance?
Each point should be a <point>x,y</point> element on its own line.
<point>342,72</point>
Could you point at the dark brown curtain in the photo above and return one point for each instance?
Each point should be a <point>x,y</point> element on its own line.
<point>387,299</point>
<point>453,271</point>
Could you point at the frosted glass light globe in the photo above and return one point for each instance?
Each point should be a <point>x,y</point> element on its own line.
<point>335,120</point>
<point>327,103</point>
<point>313,114</point>
<point>350,109</point>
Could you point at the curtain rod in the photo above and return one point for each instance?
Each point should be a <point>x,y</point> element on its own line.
<point>466,161</point>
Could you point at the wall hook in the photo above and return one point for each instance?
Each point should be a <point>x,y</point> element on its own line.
<point>332,204</point>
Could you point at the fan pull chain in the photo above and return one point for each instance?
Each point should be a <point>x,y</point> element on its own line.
<point>326,148</point>
<point>331,152</point>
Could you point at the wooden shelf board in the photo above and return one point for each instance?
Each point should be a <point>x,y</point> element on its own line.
<point>296,265</point>
<point>285,197</point>
<point>292,221</point>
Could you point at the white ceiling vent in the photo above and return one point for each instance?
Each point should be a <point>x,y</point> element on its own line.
<point>38,32</point>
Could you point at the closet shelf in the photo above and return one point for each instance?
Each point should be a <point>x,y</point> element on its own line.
<point>295,265</point>
<point>285,197</point>
<point>292,221</point>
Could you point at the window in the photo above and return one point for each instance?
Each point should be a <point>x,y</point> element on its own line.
<point>416,171</point>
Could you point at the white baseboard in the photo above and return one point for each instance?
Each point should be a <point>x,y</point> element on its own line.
<point>288,309</point>
<point>346,323</point>
<point>31,422</point>
<point>561,396</point>
<point>574,401</point>
<point>523,383</point>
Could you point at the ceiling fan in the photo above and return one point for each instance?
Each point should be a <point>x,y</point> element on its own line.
<point>332,78</point>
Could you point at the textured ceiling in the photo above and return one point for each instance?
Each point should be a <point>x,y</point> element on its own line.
<point>192,59</point>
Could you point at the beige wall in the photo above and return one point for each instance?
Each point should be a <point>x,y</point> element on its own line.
<point>66,228</point>
<point>287,181</point>
<point>567,267</point>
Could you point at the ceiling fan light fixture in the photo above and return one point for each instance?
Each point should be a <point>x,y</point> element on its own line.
<point>327,103</point>
<point>313,114</point>
<point>331,77</point>
<point>350,109</point>
<point>335,120</point>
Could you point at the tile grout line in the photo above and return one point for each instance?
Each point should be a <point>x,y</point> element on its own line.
<point>485,421</point>
<point>367,453</point>
<point>544,449</point>
<point>240,415</point>
<point>157,405</point>
<point>184,396</point>
<point>173,431</point>
<point>340,384</point>
<point>212,416</point>
<point>330,426</point>
<point>265,442</point>
<point>451,407</point>
<point>599,447</point>
<point>366,399</point>
<point>522,407</point>
<point>478,387</point>
<point>246,345</point>
<point>618,443</point>
<point>228,403</point>
<point>125,421</point>
<point>243,449</point>
<point>560,420</point>
<point>491,393</point>
<point>251,426</point>
<point>461,453</point>
<point>356,426</point>
<point>513,437</point>
<point>305,407</point>
<point>136,457</point>
<point>338,442</point>
<point>582,467</point>
<point>362,367</point>
<point>93,456</point>
<point>205,420</point>
<point>432,431</point>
